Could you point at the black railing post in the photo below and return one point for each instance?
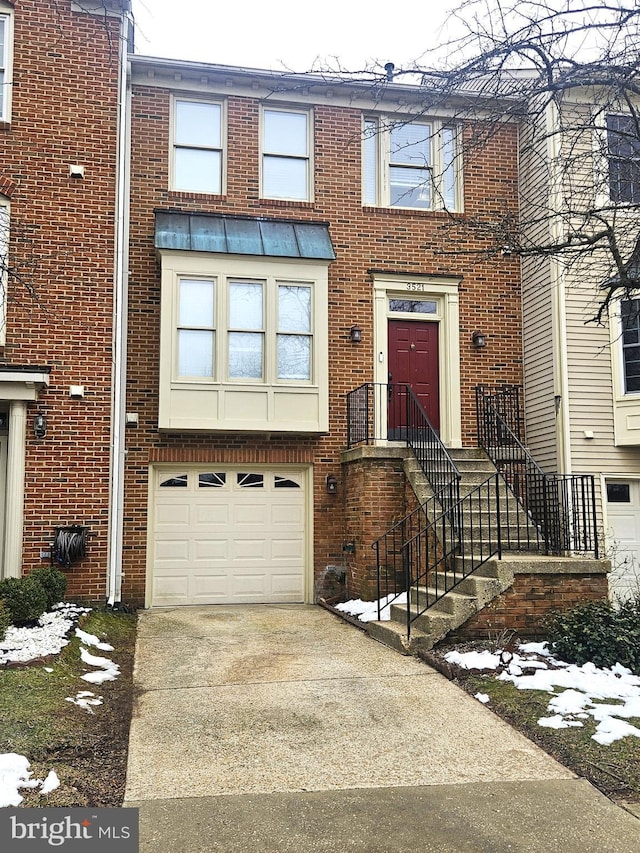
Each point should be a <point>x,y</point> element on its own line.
<point>596,548</point>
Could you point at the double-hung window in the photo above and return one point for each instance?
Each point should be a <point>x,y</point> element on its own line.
<point>410,164</point>
<point>197,146</point>
<point>623,143</point>
<point>286,154</point>
<point>630,316</point>
<point>5,70</point>
<point>246,330</point>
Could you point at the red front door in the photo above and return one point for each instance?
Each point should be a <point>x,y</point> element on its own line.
<point>413,361</point>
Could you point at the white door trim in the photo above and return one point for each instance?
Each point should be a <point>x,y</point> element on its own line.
<point>444,292</point>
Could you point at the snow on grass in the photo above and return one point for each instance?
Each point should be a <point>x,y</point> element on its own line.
<point>92,640</point>
<point>48,637</point>
<point>577,692</point>
<point>15,774</point>
<point>85,699</point>
<point>367,611</point>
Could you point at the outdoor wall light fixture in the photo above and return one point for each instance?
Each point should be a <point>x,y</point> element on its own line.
<point>39,425</point>
<point>355,334</point>
<point>479,340</point>
<point>332,485</point>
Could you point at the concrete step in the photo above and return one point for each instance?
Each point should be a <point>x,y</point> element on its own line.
<point>394,635</point>
<point>433,625</point>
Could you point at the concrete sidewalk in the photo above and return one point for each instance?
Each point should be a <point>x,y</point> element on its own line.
<point>277,728</point>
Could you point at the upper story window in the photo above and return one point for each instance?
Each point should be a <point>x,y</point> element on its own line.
<point>197,147</point>
<point>410,164</point>
<point>5,69</point>
<point>630,315</point>
<point>623,142</point>
<point>286,154</point>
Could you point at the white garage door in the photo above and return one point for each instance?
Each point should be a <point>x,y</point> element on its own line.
<point>623,514</point>
<point>228,536</point>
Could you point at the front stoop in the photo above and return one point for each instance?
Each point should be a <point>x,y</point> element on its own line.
<point>470,596</point>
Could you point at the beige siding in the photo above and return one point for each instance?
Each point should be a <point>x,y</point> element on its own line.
<point>537,318</point>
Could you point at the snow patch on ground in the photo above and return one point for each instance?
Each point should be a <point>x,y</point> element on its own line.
<point>577,692</point>
<point>367,611</point>
<point>15,774</point>
<point>48,637</point>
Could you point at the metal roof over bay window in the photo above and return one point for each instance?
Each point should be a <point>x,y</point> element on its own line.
<point>239,235</point>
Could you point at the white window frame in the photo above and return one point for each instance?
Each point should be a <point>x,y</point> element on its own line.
<point>376,141</point>
<point>222,328</point>
<point>610,158</point>
<point>307,157</point>
<point>221,148</point>
<point>6,62</point>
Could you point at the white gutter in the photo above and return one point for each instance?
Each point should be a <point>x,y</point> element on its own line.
<point>118,449</point>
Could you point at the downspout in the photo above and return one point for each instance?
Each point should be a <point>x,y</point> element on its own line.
<point>560,361</point>
<point>118,449</point>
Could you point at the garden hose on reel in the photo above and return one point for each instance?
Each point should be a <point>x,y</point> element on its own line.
<point>69,545</point>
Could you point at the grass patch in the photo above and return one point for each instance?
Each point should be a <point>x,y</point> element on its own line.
<point>613,769</point>
<point>87,751</point>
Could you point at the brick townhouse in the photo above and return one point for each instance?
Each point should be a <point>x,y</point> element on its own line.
<point>234,300</point>
<point>59,124</point>
<point>290,242</point>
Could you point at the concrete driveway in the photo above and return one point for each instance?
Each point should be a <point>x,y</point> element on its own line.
<point>277,728</point>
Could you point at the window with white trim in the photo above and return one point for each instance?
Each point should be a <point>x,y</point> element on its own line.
<point>286,154</point>
<point>410,164</point>
<point>243,348</point>
<point>5,66</point>
<point>198,151</point>
<point>623,145</point>
<point>630,316</point>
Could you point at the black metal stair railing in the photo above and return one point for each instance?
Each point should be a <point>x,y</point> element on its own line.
<point>377,411</point>
<point>561,508</point>
<point>425,555</point>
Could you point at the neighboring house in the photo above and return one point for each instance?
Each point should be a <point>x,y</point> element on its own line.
<point>61,63</point>
<point>582,378</point>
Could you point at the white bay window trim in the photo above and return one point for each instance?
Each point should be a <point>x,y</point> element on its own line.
<point>410,164</point>
<point>268,329</point>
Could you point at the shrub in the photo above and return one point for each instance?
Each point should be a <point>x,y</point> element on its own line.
<point>53,581</point>
<point>598,632</point>
<point>24,598</point>
<point>5,619</point>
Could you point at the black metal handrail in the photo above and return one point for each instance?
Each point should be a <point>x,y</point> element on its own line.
<point>426,559</point>
<point>561,507</point>
<point>377,411</point>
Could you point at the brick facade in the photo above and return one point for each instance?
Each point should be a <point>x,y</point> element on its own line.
<point>365,238</point>
<point>524,606</point>
<point>60,301</point>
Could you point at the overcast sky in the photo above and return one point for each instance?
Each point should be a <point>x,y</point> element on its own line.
<point>289,34</point>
